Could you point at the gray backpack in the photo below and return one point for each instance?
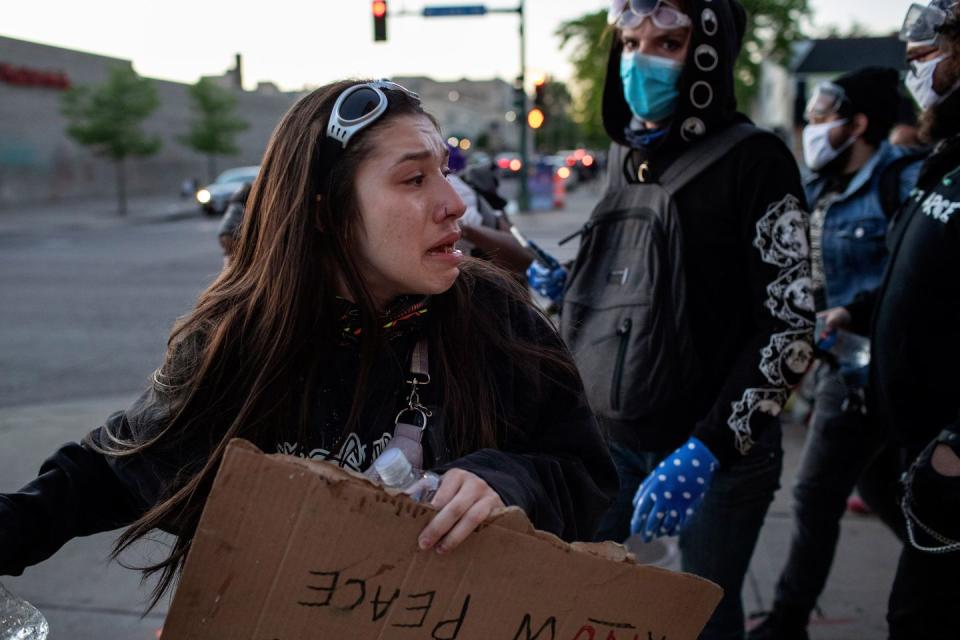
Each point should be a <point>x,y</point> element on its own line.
<point>624,309</point>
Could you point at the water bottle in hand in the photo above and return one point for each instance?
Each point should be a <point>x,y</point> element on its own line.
<point>396,472</point>
<point>20,620</point>
<point>850,349</point>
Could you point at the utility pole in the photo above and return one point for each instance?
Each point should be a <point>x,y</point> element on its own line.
<point>524,202</point>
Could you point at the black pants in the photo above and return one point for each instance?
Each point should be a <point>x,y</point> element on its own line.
<point>925,599</point>
<point>844,449</point>
<point>841,443</point>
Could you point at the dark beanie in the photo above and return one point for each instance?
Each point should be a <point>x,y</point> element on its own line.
<point>874,92</point>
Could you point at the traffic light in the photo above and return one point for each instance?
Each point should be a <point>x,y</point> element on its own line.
<point>539,91</point>
<point>535,118</point>
<point>519,97</point>
<point>379,20</point>
<point>538,114</point>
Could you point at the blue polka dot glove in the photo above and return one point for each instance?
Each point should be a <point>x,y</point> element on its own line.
<point>673,491</point>
<point>546,280</point>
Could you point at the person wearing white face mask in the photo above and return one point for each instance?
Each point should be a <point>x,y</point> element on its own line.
<point>860,180</point>
<point>920,29</point>
<point>913,319</point>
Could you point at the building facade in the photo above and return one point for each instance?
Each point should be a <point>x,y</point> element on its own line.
<point>40,163</point>
<point>474,109</point>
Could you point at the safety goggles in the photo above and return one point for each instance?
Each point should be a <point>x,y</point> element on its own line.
<point>629,14</point>
<point>356,108</point>
<point>921,26</point>
<point>827,100</point>
<point>359,106</point>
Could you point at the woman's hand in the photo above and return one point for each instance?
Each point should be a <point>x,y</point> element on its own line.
<point>464,500</point>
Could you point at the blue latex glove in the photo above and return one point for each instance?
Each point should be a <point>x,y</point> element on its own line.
<point>546,281</point>
<point>545,274</point>
<point>673,491</point>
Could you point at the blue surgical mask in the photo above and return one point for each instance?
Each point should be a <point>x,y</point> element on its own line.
<point>650,85</point>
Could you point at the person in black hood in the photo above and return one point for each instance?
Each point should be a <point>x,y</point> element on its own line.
<point>747,308</point>
<point>913,319</point>
<point>705,100</point>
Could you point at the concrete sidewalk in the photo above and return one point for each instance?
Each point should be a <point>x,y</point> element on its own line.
<point>95,213</point>
<point>854,603</point>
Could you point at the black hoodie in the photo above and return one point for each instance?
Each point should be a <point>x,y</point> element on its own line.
<point>913,318</point>
<point>745,244</point>
<point>707,99</point>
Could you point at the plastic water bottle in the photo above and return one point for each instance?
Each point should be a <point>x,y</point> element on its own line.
<point>20,620</point>
<point>659,552</point>
<point>852,350</point>
<point>852,354</point>
<point>396,472</point>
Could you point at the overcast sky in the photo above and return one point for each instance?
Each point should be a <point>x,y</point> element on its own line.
<point>295,43</point>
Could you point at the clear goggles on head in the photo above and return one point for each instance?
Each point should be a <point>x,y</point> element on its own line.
<point>827,100</point>
<point>356,108</point>
<point>922,24</point>
<point>628,14</point>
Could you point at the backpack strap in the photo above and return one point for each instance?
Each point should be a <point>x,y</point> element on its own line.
<point>704,155</point>
<point>615,158</point>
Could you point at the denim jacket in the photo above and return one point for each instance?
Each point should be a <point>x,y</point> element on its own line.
<point>855,226</point>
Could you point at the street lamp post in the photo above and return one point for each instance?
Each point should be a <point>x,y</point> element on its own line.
<point>524,192</point>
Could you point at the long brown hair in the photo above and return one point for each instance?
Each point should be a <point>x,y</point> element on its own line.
<point>234,363</point>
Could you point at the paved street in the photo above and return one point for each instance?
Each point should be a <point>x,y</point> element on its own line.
<point>86,303</point>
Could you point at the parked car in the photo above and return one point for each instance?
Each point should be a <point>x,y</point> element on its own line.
<point>213,197</point>
<point>566,173</point>
<point>508,163</point>
<point>583,162</point>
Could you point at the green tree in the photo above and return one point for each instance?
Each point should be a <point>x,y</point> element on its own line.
<point>559,131</point>
<point>590,40</point>
<point>772,27</point>
<point>213,131</point>
<point>109,118</point>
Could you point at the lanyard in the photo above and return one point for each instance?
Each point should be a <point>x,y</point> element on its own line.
<point>407,434</point>
<point>419,377</point>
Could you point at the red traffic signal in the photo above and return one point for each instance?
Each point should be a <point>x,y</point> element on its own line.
<point>379,20</point>
<point>539,92</point>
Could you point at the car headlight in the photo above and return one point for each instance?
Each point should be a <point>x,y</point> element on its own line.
<point>203,196</point>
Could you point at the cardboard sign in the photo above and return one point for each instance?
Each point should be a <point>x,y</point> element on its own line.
<point>289,549</point>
